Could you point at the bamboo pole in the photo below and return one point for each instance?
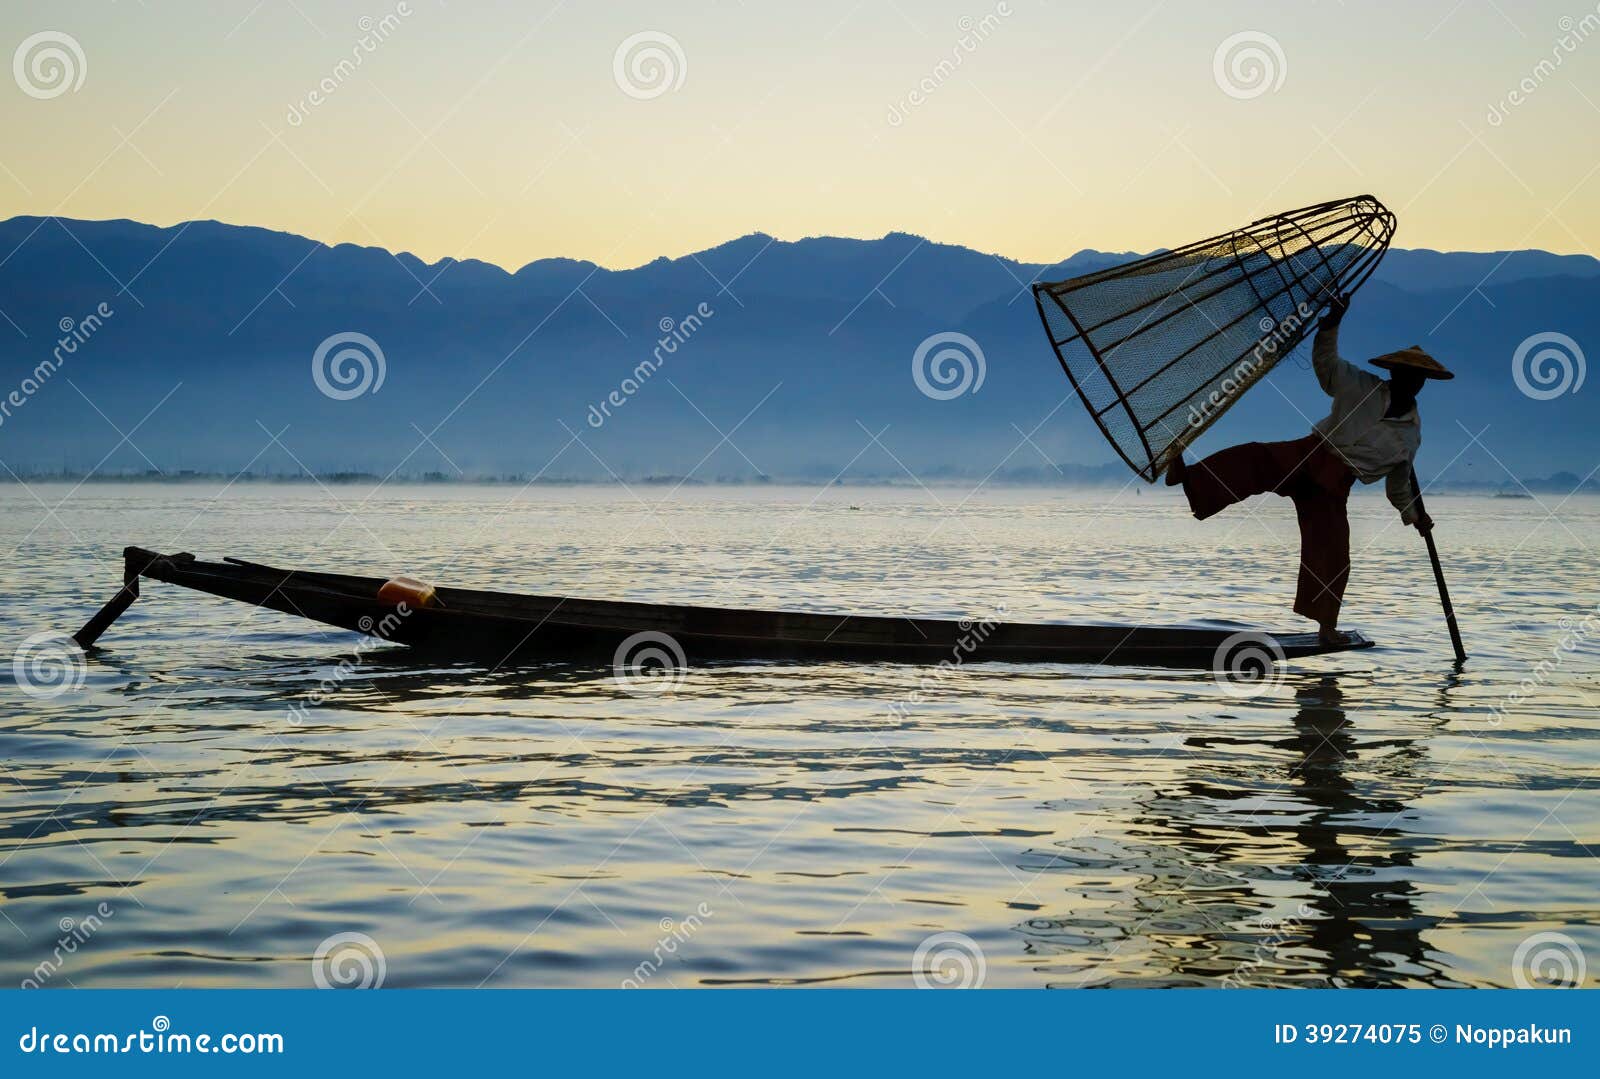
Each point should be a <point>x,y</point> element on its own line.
<point>1438,573</point>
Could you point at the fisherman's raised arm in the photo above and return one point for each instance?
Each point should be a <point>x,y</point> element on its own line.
<point>1325,348</point>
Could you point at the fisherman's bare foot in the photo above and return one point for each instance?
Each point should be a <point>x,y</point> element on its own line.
<point>1330,636</point>
<point>1176,470</point>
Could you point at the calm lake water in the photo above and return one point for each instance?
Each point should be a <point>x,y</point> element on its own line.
<point>1373,818</point>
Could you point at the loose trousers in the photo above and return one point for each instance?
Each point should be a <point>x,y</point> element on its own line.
<point>1311,475</point>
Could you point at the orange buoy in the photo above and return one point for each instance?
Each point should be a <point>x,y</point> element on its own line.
<point>408,590</point>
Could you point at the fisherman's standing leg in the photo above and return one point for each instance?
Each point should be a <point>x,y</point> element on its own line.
<point>1324,553</point>
<point>1234,474</point>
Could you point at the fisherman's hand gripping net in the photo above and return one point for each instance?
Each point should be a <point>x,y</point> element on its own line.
<point>1160,348</point>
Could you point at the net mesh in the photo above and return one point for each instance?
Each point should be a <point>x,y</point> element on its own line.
<point>1160,348</point>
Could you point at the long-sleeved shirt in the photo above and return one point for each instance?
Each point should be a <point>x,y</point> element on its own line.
<point>1375,446</point>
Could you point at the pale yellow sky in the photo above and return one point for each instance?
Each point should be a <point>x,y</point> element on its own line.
<point>504,131</point>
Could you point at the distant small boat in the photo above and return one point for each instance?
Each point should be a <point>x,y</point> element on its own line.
<point>1512,494</point>
<point>501,626</point>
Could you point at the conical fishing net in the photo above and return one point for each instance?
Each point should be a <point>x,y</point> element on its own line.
<point>1160,348</point>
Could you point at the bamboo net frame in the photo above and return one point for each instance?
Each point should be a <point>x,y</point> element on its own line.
<point>1159,348</point>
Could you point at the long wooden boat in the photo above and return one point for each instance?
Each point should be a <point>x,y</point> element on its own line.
<point>500,626</point>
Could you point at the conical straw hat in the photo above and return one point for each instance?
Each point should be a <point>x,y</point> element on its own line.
<point>1416,359</point>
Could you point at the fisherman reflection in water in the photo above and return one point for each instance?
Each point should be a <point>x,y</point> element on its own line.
<point>1372,433</point>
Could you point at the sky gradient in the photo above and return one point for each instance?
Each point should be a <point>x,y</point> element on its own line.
<point>505,132</point>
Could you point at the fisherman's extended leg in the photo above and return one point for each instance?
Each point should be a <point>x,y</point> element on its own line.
<point>1234,474</point>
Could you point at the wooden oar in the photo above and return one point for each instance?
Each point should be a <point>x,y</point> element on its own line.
<point>1438,574</point>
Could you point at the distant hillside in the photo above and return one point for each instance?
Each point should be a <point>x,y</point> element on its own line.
<point>502,370</point>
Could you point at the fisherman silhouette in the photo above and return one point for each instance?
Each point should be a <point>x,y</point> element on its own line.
<point>1372,433</point>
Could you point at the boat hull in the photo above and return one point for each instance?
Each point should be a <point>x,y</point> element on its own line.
<point>499,627</point>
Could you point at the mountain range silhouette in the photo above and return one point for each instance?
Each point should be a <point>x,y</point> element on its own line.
<point>803,366</point>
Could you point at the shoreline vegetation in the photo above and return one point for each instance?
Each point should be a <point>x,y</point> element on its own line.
<point>1066,476</point>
